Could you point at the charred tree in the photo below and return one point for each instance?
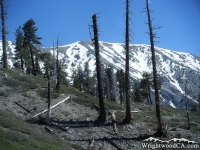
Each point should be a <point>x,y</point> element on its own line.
<point>127,118</point>
<point>48,118</point>
<point>4,32</point>
<point>58,69</point>
<point>186,106</point>
<point>159,131</point>
<point>102,116</point>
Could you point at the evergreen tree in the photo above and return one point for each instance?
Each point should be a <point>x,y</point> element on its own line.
<point>121,84</point>
<point>63,74</point>
<point>145,84</point>
<point>37,66</point>
<point>137,93</point>
<point>30,40</point>
<point>78,78</point>
<point>19,52</point>
<point>87,78</point>
<point>111,87</point>
<point>46,58</point>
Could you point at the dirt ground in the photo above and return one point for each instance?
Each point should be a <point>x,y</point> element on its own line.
<point>78,124</point>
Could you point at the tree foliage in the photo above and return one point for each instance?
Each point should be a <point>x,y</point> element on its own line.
<point>137,95</point>
<point>120,75</point>
<point>30,40</point>
<point>19,50</point>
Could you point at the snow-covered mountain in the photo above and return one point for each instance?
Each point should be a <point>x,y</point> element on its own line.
<point>175,69</point>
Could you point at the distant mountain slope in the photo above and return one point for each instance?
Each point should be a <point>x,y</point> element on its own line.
<point>174,68</point>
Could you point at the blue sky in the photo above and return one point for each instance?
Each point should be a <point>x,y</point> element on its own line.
<point>180,21</point>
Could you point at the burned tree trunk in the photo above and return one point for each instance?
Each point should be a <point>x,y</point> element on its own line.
<point>186,106</point>
<point>149,94</point>
<point>102,116</point>
<point>127,118</point>
<point>157,100</point>
<point>58,70</point>
<point>48,118</point>
<point>3,15</point>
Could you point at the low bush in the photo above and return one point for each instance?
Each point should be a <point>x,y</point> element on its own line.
<point>11,82</point>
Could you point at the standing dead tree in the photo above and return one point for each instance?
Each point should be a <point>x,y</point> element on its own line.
<point>48,118</point>
<point>57,68</point>
<point>4,32</point>
<point>186,106</point>
<point>157,100</point>
<point>127,118</point>
<point>102,116</point>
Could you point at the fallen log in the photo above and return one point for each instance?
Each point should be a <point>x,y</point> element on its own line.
<point>96,107</point>
<point>48,129</point>
<point>113,143</point>
<point>23,107</point>
<point>53,106</point>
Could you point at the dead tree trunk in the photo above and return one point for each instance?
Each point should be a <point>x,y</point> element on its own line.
<point>149,94</point>
<point>102,116</point>
<point>3,15</point>
<point>127,118</point>
<point>48,118</point>
<point>58,70</point>
<point>157,100</point>
<point>186,106</point>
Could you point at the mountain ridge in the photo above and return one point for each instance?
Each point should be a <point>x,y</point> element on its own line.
<point>172,66</point>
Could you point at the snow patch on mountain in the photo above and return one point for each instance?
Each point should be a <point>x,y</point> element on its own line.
<point>171,65</point>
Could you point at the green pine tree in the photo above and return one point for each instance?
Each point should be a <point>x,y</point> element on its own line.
<point>111,87</point>
<point>120,78</point>
<point>137,93</point>
<point>78,78</point>
<point>145,86</point>
<point>87,78</point>
<point>30,40</point>
<point>19,51</point>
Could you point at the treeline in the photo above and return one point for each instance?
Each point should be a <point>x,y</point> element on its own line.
<point>112,83</point>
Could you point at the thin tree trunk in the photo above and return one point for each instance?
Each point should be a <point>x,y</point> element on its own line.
<point>58,67</point>
<point>127,118</point>
<point>102,116</point>
<point>3,13</point>
<point>58,77</point>
<point>186,106</point>
<point>32,60</point>
<point>157,100</point>
<point>22,63</point>
<point>48,118</point>
<point>149,94</point>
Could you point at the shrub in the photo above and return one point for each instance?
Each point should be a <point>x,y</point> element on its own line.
<point>195,107</point>
<point>11,82</point>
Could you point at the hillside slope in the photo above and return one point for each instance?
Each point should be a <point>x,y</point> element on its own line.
<point>74,122</point>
